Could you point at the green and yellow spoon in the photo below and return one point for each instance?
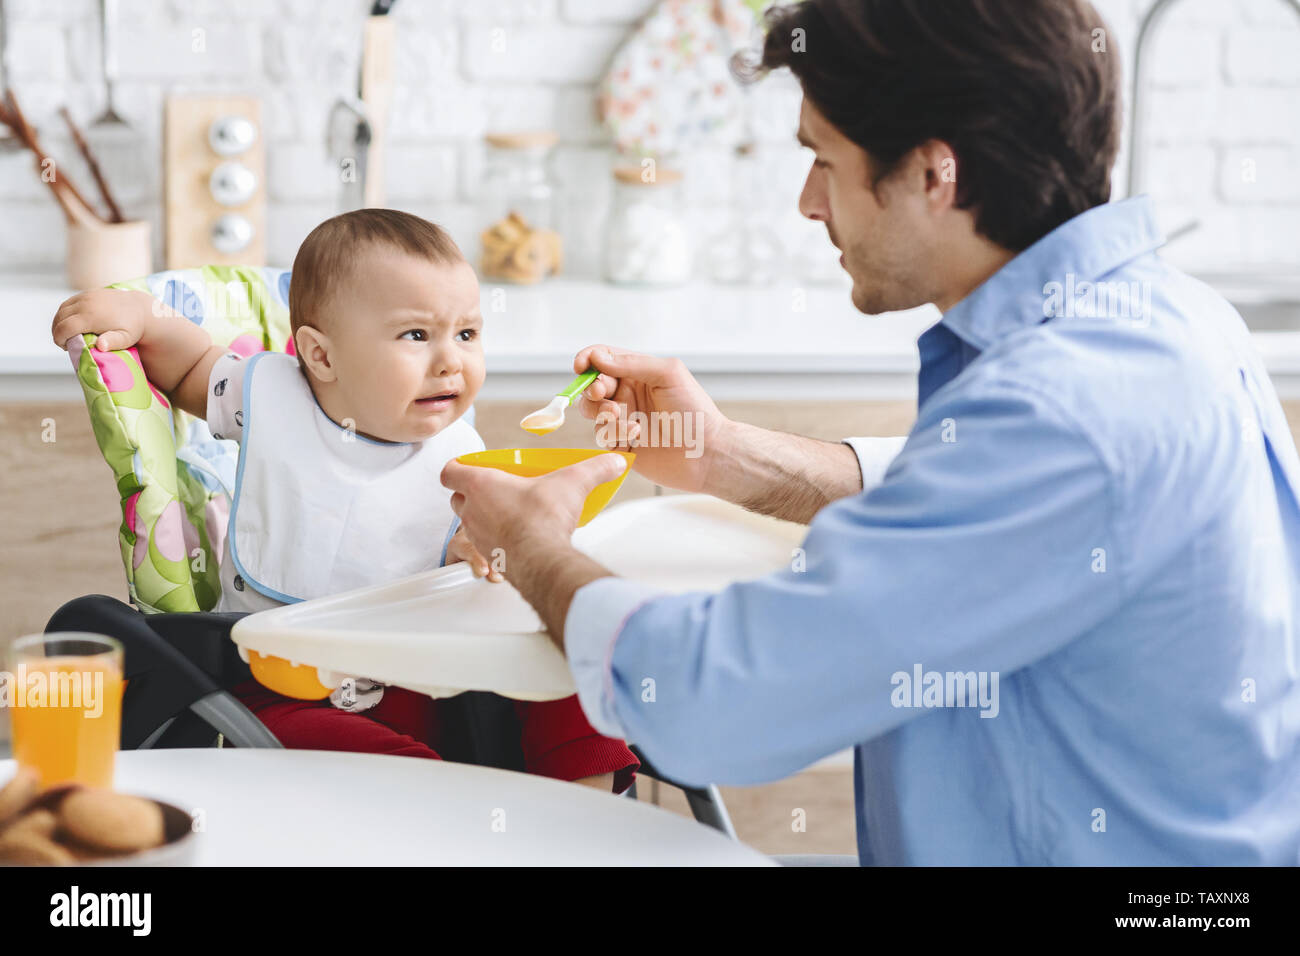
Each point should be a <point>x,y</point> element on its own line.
<point>546,420</point>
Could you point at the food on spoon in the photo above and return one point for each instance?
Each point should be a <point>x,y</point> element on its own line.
<point>542,422</point>
<point>546,420</point>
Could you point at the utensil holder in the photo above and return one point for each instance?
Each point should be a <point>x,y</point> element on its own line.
<point>100,254</point>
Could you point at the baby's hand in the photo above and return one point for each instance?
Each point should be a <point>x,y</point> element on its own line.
<point>117,316</point>
<point>460,549</point>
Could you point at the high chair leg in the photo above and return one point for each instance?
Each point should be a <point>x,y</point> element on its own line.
<point>234,720</point>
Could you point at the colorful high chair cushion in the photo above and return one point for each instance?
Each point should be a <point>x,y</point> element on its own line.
<point>172,475</point>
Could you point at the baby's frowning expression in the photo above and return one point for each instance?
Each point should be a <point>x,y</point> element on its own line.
<point>400,351</point>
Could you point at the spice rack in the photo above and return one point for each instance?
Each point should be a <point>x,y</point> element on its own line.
<point>214,168</point>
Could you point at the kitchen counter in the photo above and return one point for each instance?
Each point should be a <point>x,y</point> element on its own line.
<point>781,342</point>
<point>743,343</point>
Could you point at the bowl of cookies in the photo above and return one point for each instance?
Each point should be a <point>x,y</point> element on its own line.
<point>74,825</point>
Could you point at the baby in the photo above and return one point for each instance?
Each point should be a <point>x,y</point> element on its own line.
<point>343,440</point>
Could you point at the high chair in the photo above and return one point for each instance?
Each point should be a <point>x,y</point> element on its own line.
<point>173,477</point>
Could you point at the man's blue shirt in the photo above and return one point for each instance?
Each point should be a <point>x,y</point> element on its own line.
<point>1061,629</point>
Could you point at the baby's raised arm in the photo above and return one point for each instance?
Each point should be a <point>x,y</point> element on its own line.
<point>176,354</point>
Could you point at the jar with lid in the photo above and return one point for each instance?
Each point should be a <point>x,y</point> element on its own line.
<point>647,241</point>
<point>517,208</point>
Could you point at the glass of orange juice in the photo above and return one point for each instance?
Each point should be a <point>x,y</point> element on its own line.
<point>64,698</point>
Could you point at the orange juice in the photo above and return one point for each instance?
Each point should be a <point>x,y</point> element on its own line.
<point>67,718</point>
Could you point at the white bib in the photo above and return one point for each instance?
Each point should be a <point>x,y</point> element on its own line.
<point>319,509</point>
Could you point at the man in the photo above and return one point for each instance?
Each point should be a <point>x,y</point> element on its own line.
<point>1060,626</point>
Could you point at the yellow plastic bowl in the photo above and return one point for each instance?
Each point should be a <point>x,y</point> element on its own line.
<point>284,677</point>
<point>531,462</point>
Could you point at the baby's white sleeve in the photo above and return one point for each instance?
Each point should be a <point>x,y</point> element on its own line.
<point>226,397</point>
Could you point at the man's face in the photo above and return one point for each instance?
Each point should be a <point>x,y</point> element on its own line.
<point>407,344</point>
<point>885,236</point>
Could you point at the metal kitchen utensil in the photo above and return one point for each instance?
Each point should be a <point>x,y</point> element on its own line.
<point>347,138</point>
<point>355,123</point>
<point>108,61</point>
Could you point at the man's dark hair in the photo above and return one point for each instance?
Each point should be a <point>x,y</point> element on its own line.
<point>1026,92</point>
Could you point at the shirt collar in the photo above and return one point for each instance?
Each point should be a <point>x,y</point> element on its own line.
<point>1087,247</point>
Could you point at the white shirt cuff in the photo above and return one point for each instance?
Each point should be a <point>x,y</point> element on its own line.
<point>596,617</point>
<point>874,456</point>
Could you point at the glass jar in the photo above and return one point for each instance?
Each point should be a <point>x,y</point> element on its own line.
<point>646,239</point>
<point>748,250</point>
<point>517,209</point>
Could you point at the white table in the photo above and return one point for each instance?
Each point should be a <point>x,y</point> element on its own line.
<point>313,808</point>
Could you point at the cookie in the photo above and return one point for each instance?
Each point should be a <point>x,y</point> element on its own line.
<point>516,252</point>
<point>111,821</point>
<point>32,849</point>
<point>52,797</point>
<point>20,791</point>
<point>40,821</point>
<point>88,854</point>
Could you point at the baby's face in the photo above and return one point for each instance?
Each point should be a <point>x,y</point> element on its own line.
<point>406,344</point>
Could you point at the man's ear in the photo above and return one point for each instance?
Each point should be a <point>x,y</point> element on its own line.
<point>314,350</point>
<point>938,164</point>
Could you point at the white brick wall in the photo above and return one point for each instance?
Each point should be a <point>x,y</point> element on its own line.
<point>1222,141</point>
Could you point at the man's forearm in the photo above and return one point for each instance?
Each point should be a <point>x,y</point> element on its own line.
<point>787,476</point>
<point>548,574</point>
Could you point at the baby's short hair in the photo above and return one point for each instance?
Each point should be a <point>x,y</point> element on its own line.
<point>327,256</point>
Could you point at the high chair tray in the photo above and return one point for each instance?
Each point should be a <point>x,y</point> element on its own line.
<point>444,631</point>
